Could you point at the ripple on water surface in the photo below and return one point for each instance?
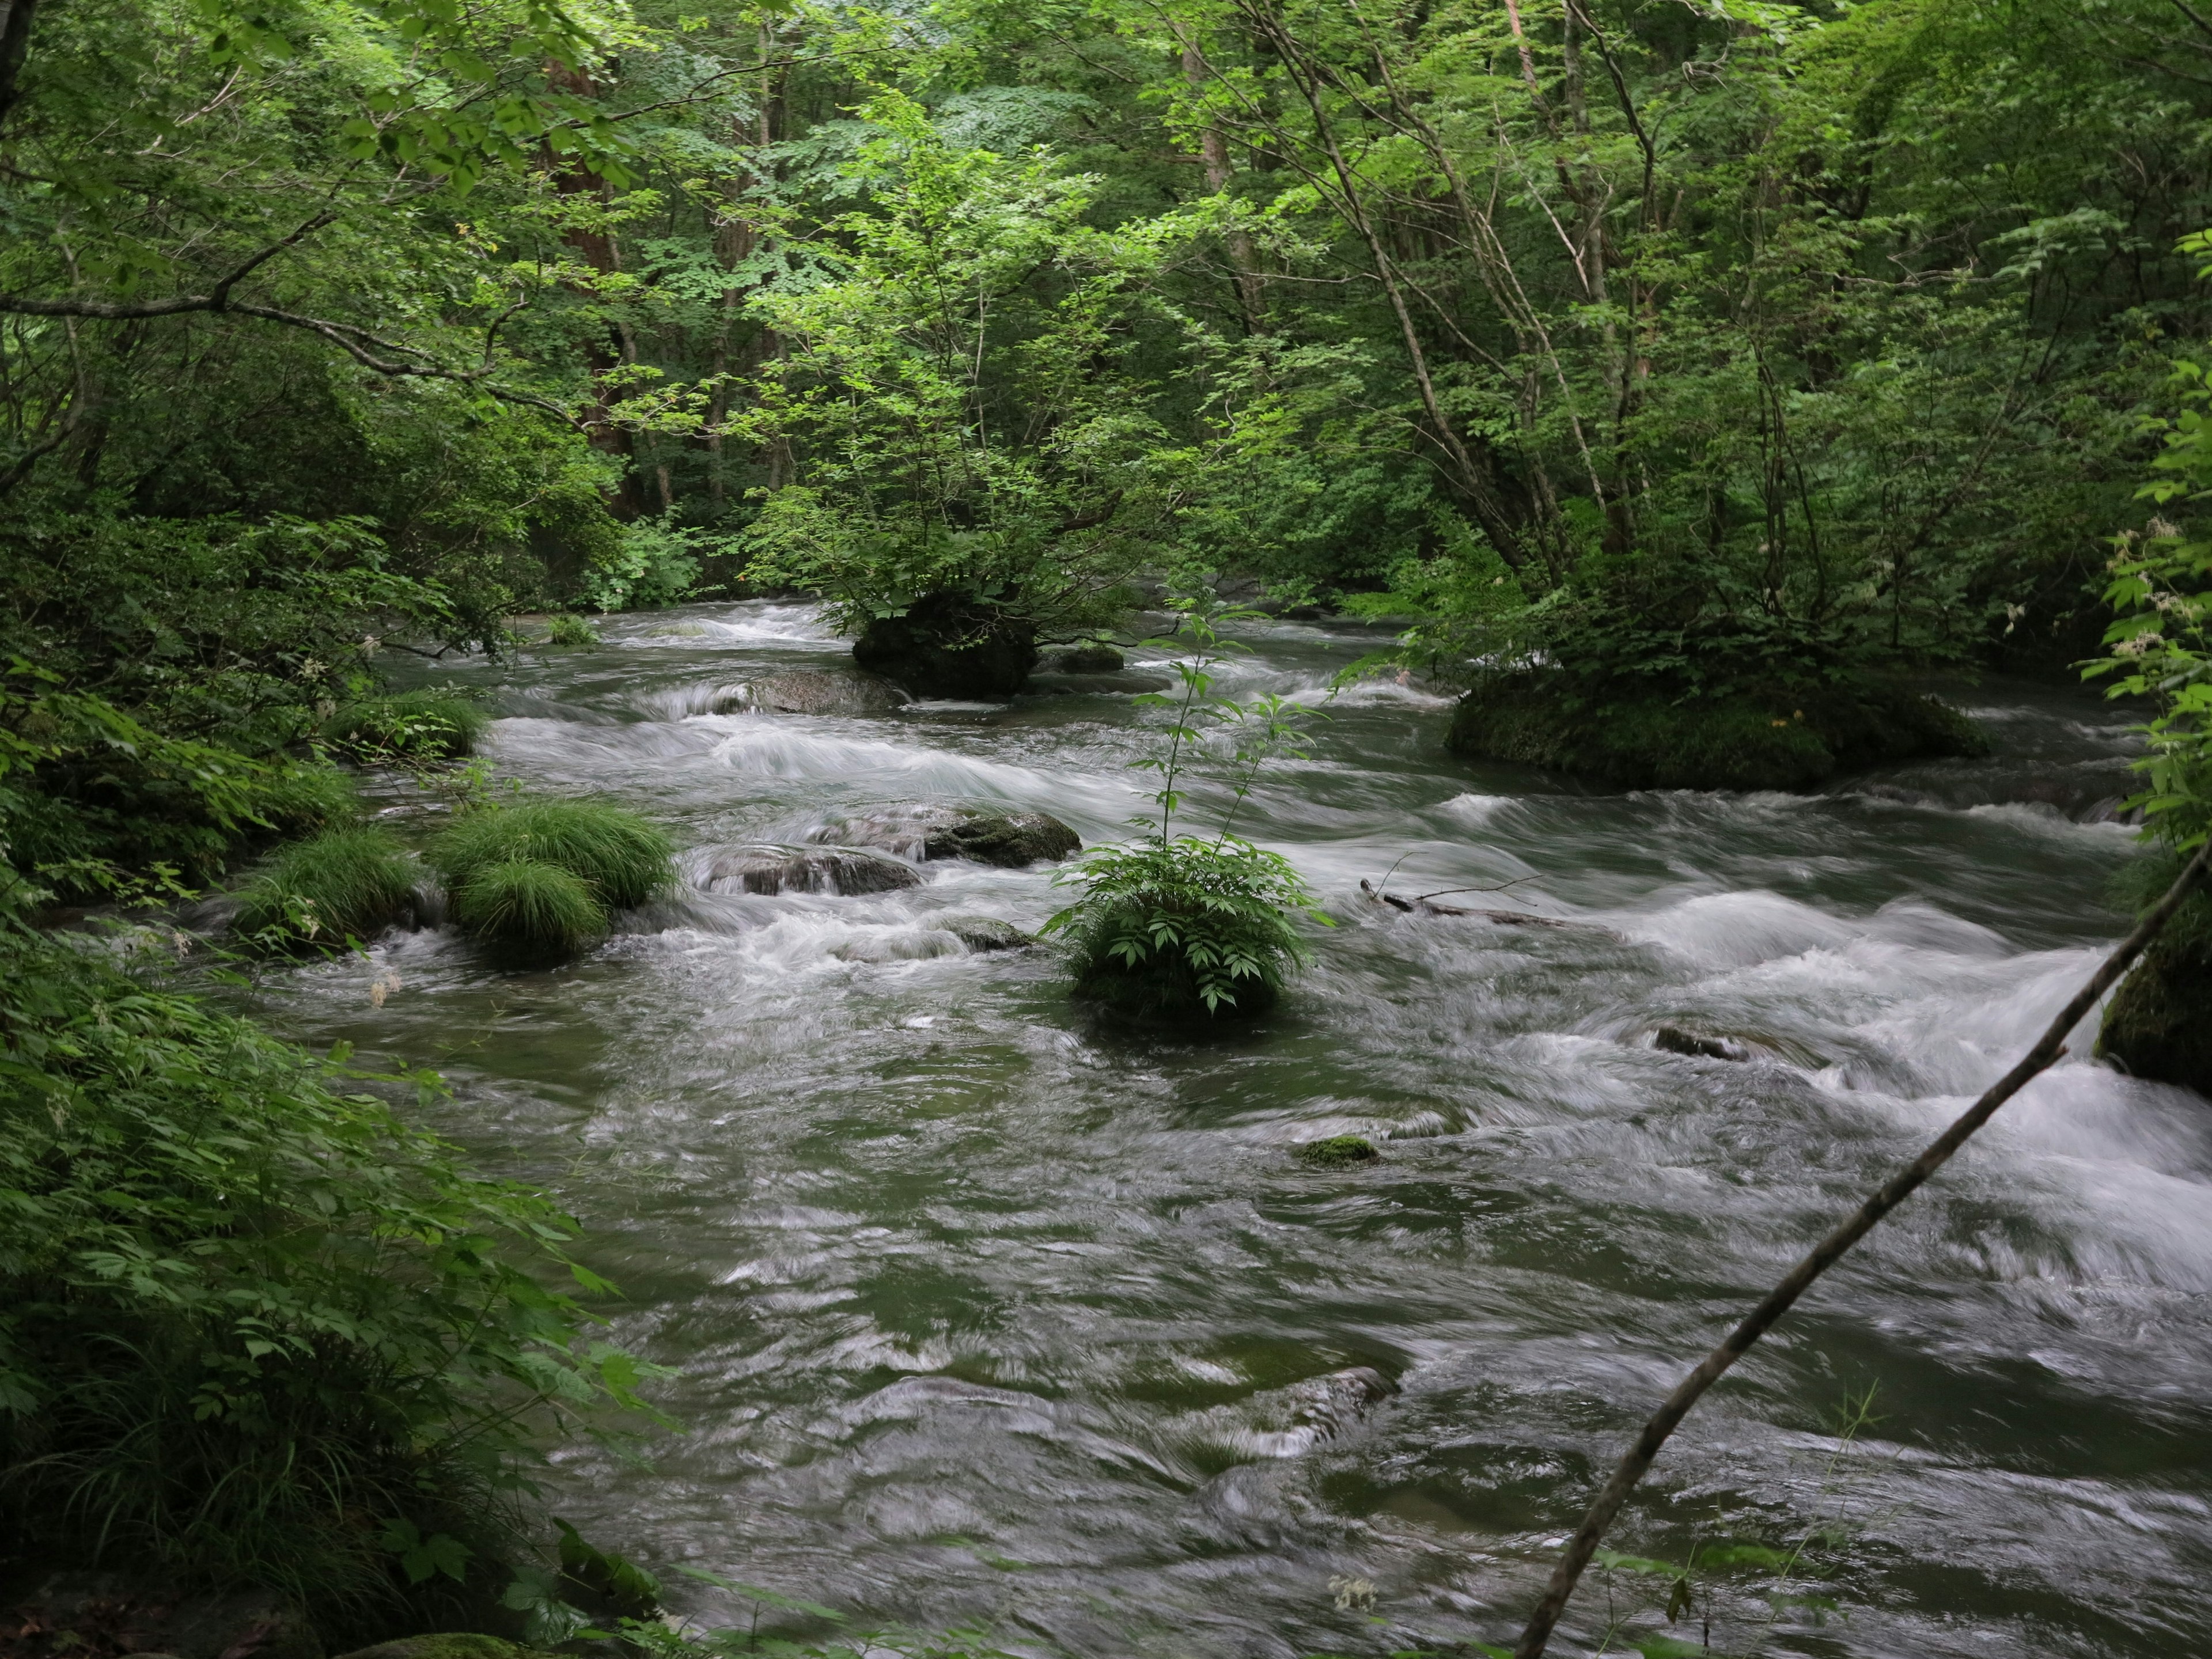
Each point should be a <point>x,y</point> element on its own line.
<point>987,1315</point>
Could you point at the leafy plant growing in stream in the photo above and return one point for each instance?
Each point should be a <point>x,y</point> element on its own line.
<point>1182,926</point>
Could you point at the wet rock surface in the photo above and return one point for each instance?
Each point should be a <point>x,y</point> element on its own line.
<point>834,869</point>
<point>1676,1041</point>
<point>1009,839</point>
<point>840,691</point>
<point>1084,660</point>
<point>987,934</point>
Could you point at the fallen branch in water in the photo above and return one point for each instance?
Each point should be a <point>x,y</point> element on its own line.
<point>1829,1251</point>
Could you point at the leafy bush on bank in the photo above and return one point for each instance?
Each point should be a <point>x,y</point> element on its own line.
<point>253,1329</point>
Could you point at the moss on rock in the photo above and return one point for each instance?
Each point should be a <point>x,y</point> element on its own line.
<point>1797,741</point>
<point>2159,1025</point>
<point>1338,1152</point>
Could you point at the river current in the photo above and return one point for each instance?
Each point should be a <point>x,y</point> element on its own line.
<point>986,1315</point>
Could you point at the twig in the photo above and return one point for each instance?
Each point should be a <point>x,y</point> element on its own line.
<point>1829,1251</point>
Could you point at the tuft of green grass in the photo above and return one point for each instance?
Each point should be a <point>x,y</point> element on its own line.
<point>523,902</point>
<point>423,725</point>
<point>570,629</point>
<point>341,884</point>
<point>621,858</point>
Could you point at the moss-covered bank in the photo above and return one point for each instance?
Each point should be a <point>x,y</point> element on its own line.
<point>1648,740</point>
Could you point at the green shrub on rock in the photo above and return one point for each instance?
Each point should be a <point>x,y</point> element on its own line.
<point>341,884</point>
<point>1185,928</point>
<point>1180,929</point>
<point>423,725</point>
<point>1642,737</point>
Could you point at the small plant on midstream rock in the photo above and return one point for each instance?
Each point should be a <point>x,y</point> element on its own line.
<point>1185,926</point>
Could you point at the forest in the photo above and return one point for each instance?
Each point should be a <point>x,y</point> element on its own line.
<point>747,749</point>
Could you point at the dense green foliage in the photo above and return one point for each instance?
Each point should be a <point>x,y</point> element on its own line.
<point>252,1327</point>
<point>424,725</point>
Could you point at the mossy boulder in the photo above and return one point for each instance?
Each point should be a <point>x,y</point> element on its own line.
<point>2159,1024</point>
<point>1092,659</point>
<point>1163,991</point>
<point>838,691</point>
<point>950,645</point>
<point>1652,741</point>
<point>1338,1152</point>
<point>834,870</point>
<point>937,830</point>
<point>986,933</point>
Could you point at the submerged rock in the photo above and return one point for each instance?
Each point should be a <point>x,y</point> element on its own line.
<point>1676,1041</point>
<point>1054,683</point>
<point>937,831</point>
<point>1654,741</point>
<point>950,645</point>
<point>1338,1152</point>
<point>986,933</point>
<point>838,870</point>
<point>847,691</point>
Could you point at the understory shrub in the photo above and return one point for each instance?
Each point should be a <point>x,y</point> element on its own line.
<point>422,725</point>
<point>341,884</point>
<point>254,1329</point>
<point>546,873</point>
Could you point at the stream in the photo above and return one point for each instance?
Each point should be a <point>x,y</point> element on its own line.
<point>989,1316</point>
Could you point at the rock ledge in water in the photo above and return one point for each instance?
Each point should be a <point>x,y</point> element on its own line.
<point>948,645</point>
<point>1009,839</point>
<point>835,870</point>
<point>2158,1026</point>
<point>1650,740</point>
<point>986,933</point>
<point>1676,1041</point>
<point>846,691</point>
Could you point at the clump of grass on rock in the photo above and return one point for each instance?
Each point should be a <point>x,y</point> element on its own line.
<point>341,884</point>
<point>545,873</point>
<point>424,725</point>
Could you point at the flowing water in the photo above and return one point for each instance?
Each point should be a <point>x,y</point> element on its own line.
<point>988,1316</point>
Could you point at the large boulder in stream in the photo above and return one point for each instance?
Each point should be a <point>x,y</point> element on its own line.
<point>1651,739</point>
<point>950,645</point>
<point>846,691</point>
<point>935,831</point>
<point>835,870</point>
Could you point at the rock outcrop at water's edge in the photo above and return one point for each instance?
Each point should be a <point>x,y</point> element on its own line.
<point>1011,841</point>
<point>2159,1025</point>
<point>1652,741</point>
<point>833,870</point>
<point>948,645</point>
<point>986,933</point>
